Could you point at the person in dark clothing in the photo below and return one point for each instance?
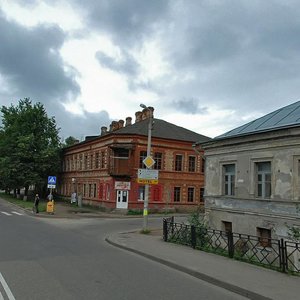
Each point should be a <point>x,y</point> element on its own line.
<point>36,203</point>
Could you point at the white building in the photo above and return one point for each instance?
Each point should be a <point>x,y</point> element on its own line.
<point>252,176</point>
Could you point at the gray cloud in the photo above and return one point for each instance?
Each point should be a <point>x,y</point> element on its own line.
<point>127,65</point>
<point>80,126</point>
<point>237,55</point>
<point>31,66</point>
<point>30,61</point>
<point>189,106</point>
<point>128,22</point>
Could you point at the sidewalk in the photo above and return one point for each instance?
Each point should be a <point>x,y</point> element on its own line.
<point>245,279</point>
<point>66,210</point>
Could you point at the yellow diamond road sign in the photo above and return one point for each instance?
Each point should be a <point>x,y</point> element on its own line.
<point>149,161</point>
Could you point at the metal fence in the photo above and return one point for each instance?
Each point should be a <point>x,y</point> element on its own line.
<point>279,254</point>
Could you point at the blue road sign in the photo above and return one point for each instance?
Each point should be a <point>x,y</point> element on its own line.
<point>52,180</point>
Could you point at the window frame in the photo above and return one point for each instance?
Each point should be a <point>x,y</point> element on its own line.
<point>229,178</point>
<point>142,156</point>
<point>177,194</point>
<point>141,192</point>
<point>158,158</point>
<point>178,163</point>
<point>264,237</point>
<point>191,194</point>
<point>192,163</point>
<point>261,185</point>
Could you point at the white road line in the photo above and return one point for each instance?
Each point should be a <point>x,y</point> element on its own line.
<point>16,213</point>
<point>6,288</point>
<point>6,213</point>
<point>1,297</point>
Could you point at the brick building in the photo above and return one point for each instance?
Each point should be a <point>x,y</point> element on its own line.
<point>103,169</point>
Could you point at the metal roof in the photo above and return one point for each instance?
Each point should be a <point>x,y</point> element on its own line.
<point>288,116</point>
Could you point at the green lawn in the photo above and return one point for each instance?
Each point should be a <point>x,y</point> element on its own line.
<point>24,204</point>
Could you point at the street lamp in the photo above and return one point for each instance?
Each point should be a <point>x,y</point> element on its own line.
<point>146,200</point>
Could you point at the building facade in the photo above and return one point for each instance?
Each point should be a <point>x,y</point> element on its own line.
<point>253,176</point>
<point>103,170</point>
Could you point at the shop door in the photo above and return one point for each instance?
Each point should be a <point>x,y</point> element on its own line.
<point>122,199</point>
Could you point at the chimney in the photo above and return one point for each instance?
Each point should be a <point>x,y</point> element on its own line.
<point>138,116</point>
<point>128,121</point>
<point>114,125</point>
<point>121,124</point>
<point>147,112</point>
<point>103,130</point>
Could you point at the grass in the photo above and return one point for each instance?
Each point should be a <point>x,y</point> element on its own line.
<point>134,212</point>
<point>145,231</point>
<point>23,204</point>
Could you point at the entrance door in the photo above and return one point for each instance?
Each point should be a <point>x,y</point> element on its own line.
<point>122,199</point>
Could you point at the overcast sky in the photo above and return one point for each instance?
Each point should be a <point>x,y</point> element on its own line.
<point>208,66</point>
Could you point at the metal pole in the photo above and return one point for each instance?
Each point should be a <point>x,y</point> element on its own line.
<point>146,201</point>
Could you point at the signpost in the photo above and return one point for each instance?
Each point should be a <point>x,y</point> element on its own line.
<point>147,176</point>
<point>51,182</point>
<point>51,185</point>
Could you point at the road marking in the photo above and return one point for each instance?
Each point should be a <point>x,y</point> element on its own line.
<point>6,288</point>
<point>1,297</point>
<point>6,213</point>
<point>16,213</point>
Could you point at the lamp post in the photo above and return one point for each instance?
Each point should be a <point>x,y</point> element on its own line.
<point>146,200</point>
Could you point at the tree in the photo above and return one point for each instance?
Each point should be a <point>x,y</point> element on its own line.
<point>29,146</point>
<point>70,141</point>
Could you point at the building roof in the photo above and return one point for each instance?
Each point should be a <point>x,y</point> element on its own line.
<point>288,116</point>
<point>162,129</point>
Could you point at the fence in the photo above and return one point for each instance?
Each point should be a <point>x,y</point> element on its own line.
<point>279,254</point>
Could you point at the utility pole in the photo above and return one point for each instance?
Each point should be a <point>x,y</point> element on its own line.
<point>146,200</point>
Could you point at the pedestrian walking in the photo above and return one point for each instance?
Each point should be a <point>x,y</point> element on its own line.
<point>36,203</point>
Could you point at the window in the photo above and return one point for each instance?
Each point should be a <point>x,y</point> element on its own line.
<point>176,194</point>
<point>202,165</point>
<point>201,195</point>
<point>84,189</point>
<point>192,163</point>
<point>90,190</point>
<point>97,160</point>
<point>80,162</point>
<point>102,160</point>
<point>229,179</point>
<point>263,178</point>
<point>227,226</point>
<point>264,237</point>
<point>91,161</point>
<point>178,162</point>
<point>95,190</point>
<point>143,155</point>
<point>85,162</point>
<point>158,161</point>
<point>141,191</point>
<point>190,194</point>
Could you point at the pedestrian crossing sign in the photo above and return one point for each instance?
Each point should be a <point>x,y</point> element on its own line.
<point>52,180</point>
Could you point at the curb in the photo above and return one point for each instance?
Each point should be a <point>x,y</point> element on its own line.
<point>228,286</point>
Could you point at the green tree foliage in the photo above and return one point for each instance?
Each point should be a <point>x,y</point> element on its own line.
<point>29,146</point>
<point>70,141</point>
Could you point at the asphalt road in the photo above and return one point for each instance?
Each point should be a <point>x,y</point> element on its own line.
<point>69,259</point>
